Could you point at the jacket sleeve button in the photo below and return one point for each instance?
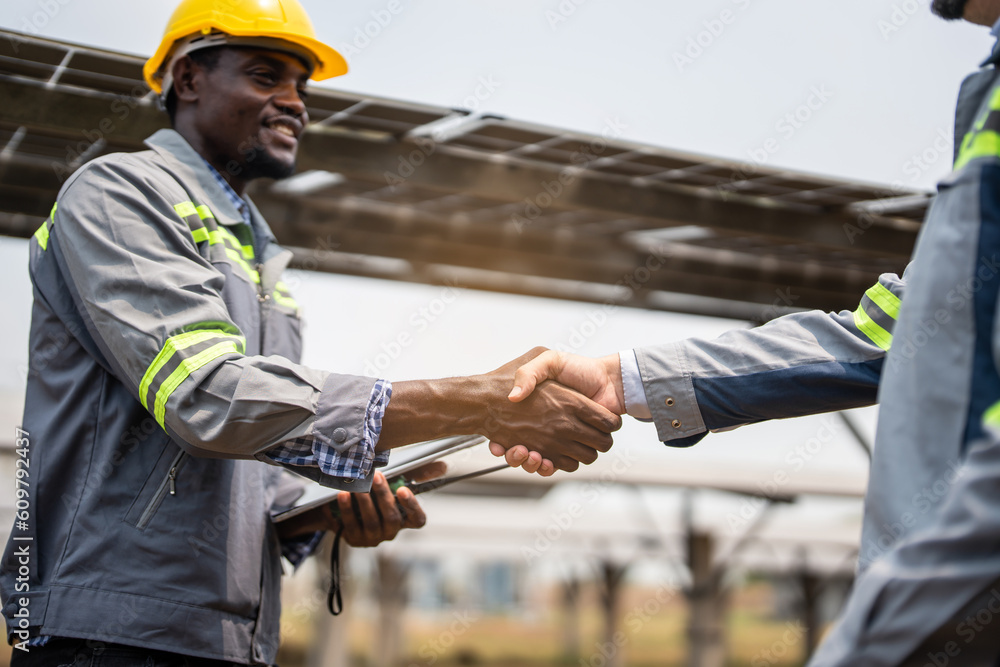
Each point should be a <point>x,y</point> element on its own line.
<point>339,435</point>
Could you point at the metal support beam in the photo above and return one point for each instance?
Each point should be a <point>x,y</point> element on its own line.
<point>858,436</point>
<point>349,221</point>
<point>571,619</point>
<point>517,180</point>
<point>128,119</point>
<point>424,239</point>
<point>391,592</point>
<point>707,604</point>
<point>612,578</point>
<point>522,248</point>
<point>85,116</point>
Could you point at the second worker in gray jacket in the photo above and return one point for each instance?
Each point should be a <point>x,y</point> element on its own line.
<point>929,563</point>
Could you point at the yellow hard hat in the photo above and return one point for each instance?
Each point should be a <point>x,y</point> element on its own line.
<point>271,22</point>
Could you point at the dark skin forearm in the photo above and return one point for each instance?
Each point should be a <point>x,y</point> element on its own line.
<point>427,409</point>
<point>563,425</point>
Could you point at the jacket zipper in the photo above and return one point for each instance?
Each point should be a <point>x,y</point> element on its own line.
<point>168,485</point>
<point>263,298</point>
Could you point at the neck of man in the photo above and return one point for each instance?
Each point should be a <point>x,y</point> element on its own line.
<point>982,12</point>
<point>203,148</point>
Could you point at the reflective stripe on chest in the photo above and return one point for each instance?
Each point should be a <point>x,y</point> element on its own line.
<point>237,245</point>
<point>983,140</point>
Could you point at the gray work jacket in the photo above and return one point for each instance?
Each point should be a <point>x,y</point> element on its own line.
<point>162,362</point>
<point>929,561</point>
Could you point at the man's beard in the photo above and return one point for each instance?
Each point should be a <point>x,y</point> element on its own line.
<point>949,9</point>
<point>261,164</point>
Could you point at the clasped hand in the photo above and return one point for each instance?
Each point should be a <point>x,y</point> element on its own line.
<point>575,400</point>
<point>553,372</point>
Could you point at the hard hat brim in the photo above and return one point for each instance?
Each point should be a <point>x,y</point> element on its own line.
<point>327,61</point>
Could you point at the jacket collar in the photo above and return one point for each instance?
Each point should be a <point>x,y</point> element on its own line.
<point>994,58</point>
<point>176,151</point>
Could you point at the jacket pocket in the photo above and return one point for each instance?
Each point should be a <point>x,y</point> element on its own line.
<point>159,485</point>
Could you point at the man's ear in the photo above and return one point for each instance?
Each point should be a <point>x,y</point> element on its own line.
<point>186,79</point>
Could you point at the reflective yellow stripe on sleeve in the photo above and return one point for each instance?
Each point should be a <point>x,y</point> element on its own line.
<point>876,315</point>
<point>884,299</point>
<point>185,369</point>
<point>180,356</point>
<point>872,329</point>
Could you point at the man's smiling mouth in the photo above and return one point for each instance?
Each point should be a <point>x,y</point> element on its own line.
<point>285,126</point>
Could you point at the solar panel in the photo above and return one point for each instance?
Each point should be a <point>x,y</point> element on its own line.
<point>519,205</point>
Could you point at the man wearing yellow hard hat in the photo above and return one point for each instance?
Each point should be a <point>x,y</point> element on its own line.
<point>166,402</point>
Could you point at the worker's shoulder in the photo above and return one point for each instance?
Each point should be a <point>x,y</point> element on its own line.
<point>124,167</point>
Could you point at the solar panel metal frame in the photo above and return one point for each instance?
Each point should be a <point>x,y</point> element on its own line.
<point>482,143</point>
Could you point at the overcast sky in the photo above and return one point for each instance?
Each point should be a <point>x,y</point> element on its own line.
<point>714,76</point>
<point>870,87</point>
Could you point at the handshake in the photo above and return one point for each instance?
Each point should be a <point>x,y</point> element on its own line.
<point>544,411</point>
<point>559,412</point>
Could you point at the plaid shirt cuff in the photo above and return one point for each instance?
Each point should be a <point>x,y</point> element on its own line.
<point>297,549</point>
<point>351,463</point>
